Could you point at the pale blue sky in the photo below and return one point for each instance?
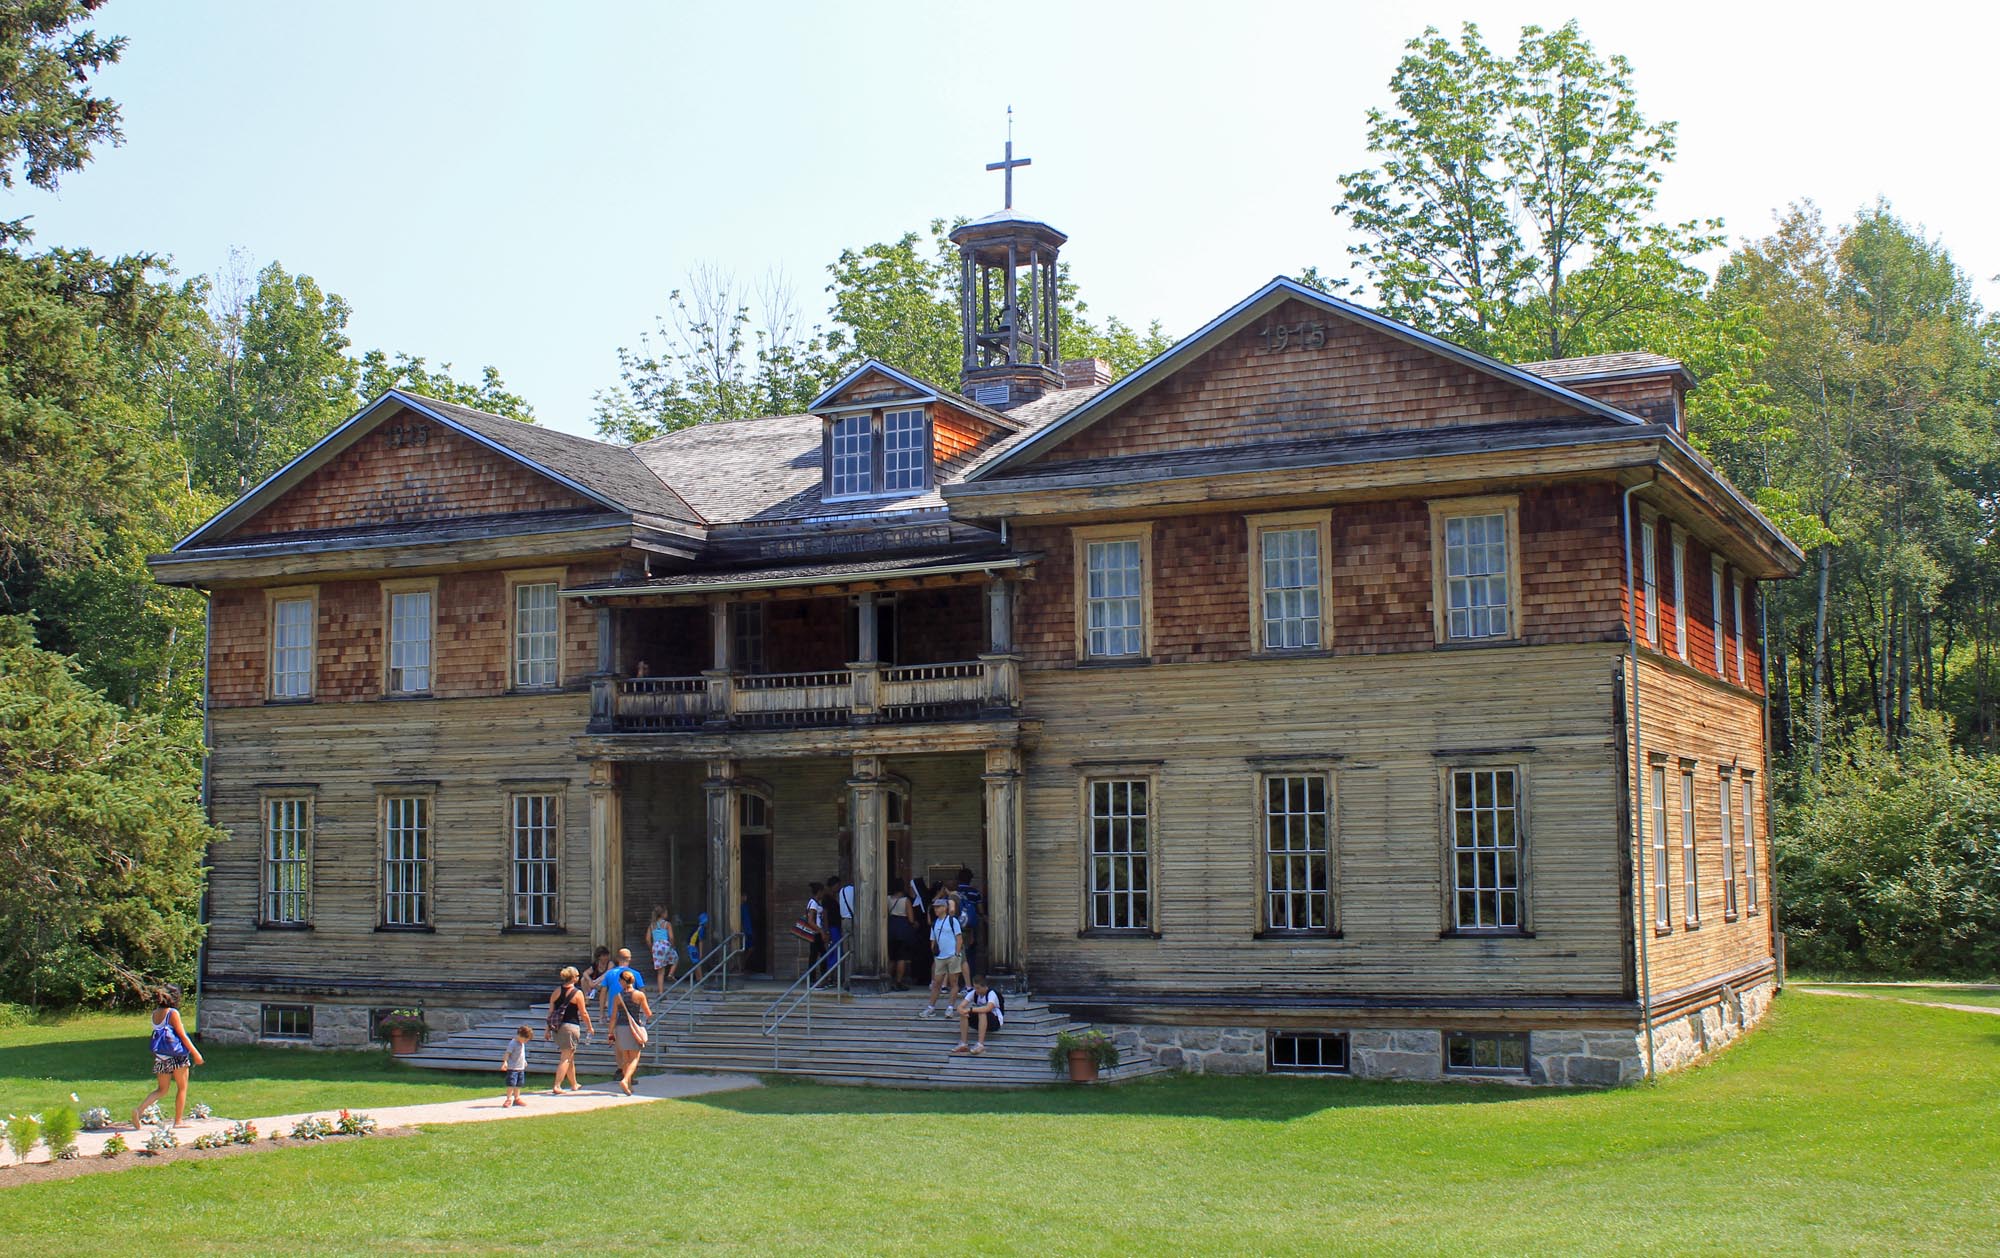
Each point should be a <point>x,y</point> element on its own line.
<point>521,184</point>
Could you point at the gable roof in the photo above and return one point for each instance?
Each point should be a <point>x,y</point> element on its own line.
<point>1237,317</point>
<point>1608,367</point>
<point>609,475</point>
<point>920,391</point>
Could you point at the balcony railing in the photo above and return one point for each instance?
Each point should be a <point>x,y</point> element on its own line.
<point>859,694</point>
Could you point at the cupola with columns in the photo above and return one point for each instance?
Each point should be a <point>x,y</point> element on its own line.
<point>1008,300</point>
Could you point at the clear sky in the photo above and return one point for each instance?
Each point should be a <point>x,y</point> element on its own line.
<point>521,184</point>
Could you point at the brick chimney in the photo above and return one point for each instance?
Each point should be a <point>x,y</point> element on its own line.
<point>1086,373</point>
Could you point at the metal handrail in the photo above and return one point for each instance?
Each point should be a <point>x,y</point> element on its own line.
<point>832,965</point>
<point>713,963</point>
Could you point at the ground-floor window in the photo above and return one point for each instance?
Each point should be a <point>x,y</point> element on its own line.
<point>1297,852</point>
<point>1749,847</point>
<point>1485,1053</point>
<point>286,1022</point>
<point>1485,837</point>
<point>1728,849</point>
<point>406,860</point>
<point>1690,868</point>
<point>1289,1052</point>
<point>287,861</point>
<point>1121,852</point>
<point>532,862</point>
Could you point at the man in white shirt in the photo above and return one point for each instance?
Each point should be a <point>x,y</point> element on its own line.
<point>984,1005</point>
<point>944,955</point>
<point>845,902</point>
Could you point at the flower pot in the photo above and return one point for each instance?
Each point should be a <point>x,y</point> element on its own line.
<point>402,1043</point>
<point>1082,1066</point>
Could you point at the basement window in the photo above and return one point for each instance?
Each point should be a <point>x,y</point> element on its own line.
<point>287,1022</point>
<point>1313,1053</point>
<point>1466,1053</point>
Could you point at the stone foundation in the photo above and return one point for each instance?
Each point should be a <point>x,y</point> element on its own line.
<point>221,1021</point>
<point>1678,1041</point>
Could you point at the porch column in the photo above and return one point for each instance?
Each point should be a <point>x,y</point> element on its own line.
<point>607,642</point>
<point>865,666</point>
<point>723,850</point>
<point>870,946</point>
<point>999,616</point>
<point>1003,859</point>
<point>1002,666</point>
<point>718,674</point>
<point>607,856</point>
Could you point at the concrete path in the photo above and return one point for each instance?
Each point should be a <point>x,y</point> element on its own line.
<point>1901,1000</point>
<point>645,1089</point>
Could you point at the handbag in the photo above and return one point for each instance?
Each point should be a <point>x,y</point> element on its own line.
<point>804,930</point>
<point>638,1027</point>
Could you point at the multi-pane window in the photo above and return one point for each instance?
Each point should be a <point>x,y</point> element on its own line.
<point>532,861</point>
<point>1475,576</point>
<point>287,861</point>
<point>1649,562</point>
<point>1486,849</point>
<point>1287,1052</point>
<point>1467,1053</point>
<point>904,456</point>
<point>746,637</point>
<point>1662,901</point>
<point>1690,878</point>
<point>285,1022</point>
<point>1296,852</point>
<point>1715,612</point>
<point>1121,854</point>
<point>536,615</point>
<point>1290,559</point>
<point>1739,634</point>
<point>852,456</point>
<point>291,648</point>
<point>1114,598</point>
<point>410,641</point>
<point>1728,849</point>
<point>406,860</point>
<point>1680,598</point>
<point>1749,848</point>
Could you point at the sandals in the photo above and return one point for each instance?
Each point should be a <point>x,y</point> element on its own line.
<point>977,1049</point>
<point>961,1049</point>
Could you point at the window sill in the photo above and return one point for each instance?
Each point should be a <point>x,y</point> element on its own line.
<point>1293,653</point>
<point>284,925</point>
<point>1486,934</point>
<point>534,930</point>
<point>1296,936</point>
<point>1476,644</point>
<point>1104,933</point>
<point>401,696</point>
<point>1690,925</point>
<point>553,689</point>
<point>1115,661</point>
<point>405,930</point>
<point>287,701</point>
<point>1660,931</point>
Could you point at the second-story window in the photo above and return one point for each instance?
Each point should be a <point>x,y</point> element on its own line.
<point>1288,569</point>
<point>881,452</point>
<point>1649,562</point>
<point>852,456</point>
<point>904,451</point>
<point>1680,596</point>
<point>291,648</point>
<point>410,641</point>
<point>536,621</point>
<point>1114,598</point>
<point>1715,611</point>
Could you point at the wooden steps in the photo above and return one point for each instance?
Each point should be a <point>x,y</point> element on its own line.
<point>872,1039</point>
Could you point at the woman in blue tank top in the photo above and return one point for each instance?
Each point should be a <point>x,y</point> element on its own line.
<point>173,1053</point>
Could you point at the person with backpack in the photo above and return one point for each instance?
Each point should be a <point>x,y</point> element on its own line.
<point>945,961</point>
<point>984,1004</point>
<point>969,902</point>
<point>568,1026</point>
<point>173,1054</point>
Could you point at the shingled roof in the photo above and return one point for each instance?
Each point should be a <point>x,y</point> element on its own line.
<point>1602,366</point>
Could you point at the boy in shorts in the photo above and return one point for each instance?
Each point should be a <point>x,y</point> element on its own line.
<point>515,1063</point>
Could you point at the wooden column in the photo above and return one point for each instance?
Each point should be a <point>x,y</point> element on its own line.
<point>718,674</point>
<point>724,865</point>
<point>607,856</point>
<point>869,949</point>
<point>1003,860</point>
<point>1002,665</point>
<point>866,667</point>
<point>607,643</point>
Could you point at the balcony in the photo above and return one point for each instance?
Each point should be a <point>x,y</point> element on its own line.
<point>860,694</point>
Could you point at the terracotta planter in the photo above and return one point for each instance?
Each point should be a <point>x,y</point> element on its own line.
<point>1082,1068</point>
<point>402,1043</point>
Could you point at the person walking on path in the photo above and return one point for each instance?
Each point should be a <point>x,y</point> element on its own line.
<point>569,1024</point>
<point>666,961</point>
<point>173,1054</point>
<point>515,1063</point>
<point>945,961</point>
<point>629,1015</point>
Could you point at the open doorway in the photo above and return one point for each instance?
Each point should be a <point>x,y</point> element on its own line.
<point>754,872</point>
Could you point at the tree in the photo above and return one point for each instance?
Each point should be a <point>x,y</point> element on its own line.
<point>101,837</point>
<point>379,374</point>
<point>898,302</point>
<point>1512,211</point>
<point>49,118</point>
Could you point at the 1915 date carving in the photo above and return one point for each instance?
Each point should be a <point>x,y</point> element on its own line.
<point>1278,337</point>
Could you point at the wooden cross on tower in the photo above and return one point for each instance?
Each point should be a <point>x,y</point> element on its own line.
<point>1010,161</point>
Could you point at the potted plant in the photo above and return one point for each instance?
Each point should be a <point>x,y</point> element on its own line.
<point>404,1029</point>
<point>1083,1054</point>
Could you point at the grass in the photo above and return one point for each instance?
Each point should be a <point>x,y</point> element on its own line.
<point>1987,995</point>
<point>1841,1126</point>
<point>104,1059</point>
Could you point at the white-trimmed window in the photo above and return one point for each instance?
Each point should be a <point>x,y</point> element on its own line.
<point>1662,899</point>
<point>1690,867</point>
<point>1739,635</point>
<point>287,880</point>
<point>406,860</point>
<point>1484,815</point>
<point>905,450</point>
<point>1298,852</point>
<point>1715,611</point>
<point>851,456</point>
<point>534,832</point>
<point>1475,576</point>
<point>292,647</point>
<point>1289,567</point>
<point>1680,596</point>
<point>1121,853</point>
<point>1114,598</point>
<point>1728,846</point>
<point>537,634</point>
<point>411,615</point>
<point>1649,562</point>
<point>1745,819</point>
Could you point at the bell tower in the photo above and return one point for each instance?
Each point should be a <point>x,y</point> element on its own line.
<point>1007,299</point>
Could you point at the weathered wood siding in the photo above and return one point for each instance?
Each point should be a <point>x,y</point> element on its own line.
<point>1655,399</point>
<point>1387,725</point>
<point>379,481</point>
<point>1684,716</point>
<point>1698,597</point>
<point>468,751</point>
<point>1360,381</point>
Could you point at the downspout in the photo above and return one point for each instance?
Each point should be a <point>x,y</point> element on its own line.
<point>207,801</point>
<point>1639,777</point>
<point>1770,840</point>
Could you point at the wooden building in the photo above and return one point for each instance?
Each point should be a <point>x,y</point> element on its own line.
<point>1321,695</point>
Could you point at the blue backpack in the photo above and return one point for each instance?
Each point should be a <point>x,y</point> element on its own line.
<point>165,1042</point>
<point>968,909</point>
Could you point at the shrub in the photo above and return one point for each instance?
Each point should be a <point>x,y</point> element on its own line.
<point>354,1124</point>
<point>312,1128</point>
<point>242,1133</point>
<point>211,1140</point>
<point>59,1132</point>
<point>1099,1045</point>
<point>22,1133</point>
<point>114,1146</point>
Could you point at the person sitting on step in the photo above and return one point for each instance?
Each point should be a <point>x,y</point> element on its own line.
<point>985,1005</point>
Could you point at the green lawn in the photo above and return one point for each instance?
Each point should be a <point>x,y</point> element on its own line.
<point>1987,995</point>
<point>103,1058</point>
<point>1842,1126</point>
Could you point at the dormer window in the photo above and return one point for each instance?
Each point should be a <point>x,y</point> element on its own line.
<point>875,453</point>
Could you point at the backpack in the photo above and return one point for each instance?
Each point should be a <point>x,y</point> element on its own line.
<point>557,1008</point>
<point>165,1042</point>
<point>968,910</point>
